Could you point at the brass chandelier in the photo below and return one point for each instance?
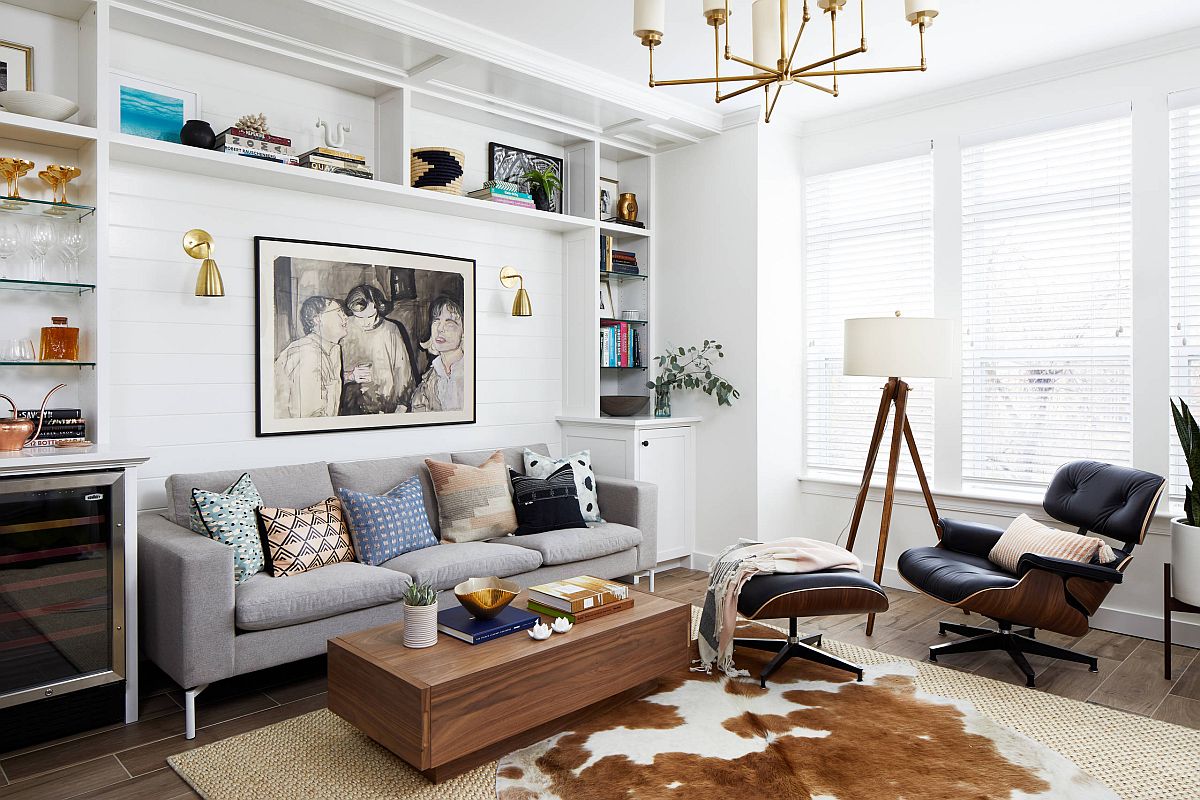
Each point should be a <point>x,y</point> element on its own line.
<point>770,27</point>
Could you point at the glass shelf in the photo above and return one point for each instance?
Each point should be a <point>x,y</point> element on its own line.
<point>621,276</point>
<point>45,209</point>
<point>46,286</point>
<point>80,364</point>
<point>642,369</point>
<point>604,320</point>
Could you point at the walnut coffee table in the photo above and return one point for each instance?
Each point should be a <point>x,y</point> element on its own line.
<point>447,709</point>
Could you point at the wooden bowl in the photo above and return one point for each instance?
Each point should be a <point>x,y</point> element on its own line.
<point>486,597</point>
<point>623,405</point>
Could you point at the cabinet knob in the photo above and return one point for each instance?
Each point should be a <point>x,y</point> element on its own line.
<point>645,442</point>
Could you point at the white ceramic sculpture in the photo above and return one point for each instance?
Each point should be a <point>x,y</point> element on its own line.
<point>562,625</point>
<point>540,631</point>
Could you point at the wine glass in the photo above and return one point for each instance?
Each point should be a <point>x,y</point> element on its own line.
<point>74,243</point>
<point>10,242</point>
<point>41,239</point>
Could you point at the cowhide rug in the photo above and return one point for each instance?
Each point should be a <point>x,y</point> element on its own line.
<point>814,732</point>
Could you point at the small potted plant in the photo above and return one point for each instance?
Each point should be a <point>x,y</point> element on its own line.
<point>1185,531</point>
<point>542,185</point>
<point>690,368</point>
<point>420,616</point>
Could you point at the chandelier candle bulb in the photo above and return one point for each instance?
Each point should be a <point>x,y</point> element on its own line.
<point>766,32</point>
<point>714,12</point>
<point>920,11</point>
<point>649,16</point>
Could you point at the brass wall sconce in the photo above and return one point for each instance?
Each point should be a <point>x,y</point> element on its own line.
<point>521,306</point>
<point>199,244</point>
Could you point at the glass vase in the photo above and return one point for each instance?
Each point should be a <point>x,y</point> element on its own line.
<point>662,401</point>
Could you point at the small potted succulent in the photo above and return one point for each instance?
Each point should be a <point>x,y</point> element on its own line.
<point>690,368</point>
<point>1185,531</point>
<point>542,185</point>
<point>420,616</point>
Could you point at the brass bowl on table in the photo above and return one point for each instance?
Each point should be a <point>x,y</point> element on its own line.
<point>486,597</point>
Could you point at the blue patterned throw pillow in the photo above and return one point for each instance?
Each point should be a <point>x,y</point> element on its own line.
<point>229,518</point>
<point>386,526</point>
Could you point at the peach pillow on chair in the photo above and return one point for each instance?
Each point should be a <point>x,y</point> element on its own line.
<point>1025,535</point>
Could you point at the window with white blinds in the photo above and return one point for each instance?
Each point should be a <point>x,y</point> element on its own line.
<point>1046,302</point>
<point>868,253</point>
<point>1185,272</point>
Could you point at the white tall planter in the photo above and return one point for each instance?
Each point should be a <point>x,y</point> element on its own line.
<point>1185,562</point>
<point>420,625</point>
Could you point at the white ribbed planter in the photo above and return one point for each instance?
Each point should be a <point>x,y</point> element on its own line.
<point>1185,562</point>
<point>420,625</point>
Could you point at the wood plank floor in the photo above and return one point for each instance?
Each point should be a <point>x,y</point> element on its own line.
<point>129,761</point>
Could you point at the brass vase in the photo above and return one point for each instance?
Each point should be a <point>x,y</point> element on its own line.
<point>627,207</point>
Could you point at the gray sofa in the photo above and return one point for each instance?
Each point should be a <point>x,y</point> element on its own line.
<point>199,628</point>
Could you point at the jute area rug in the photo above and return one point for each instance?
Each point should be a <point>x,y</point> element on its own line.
<point>911,730</point>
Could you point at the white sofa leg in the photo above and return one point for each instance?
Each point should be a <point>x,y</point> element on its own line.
<point>637,578</point>
<point>189,710</point>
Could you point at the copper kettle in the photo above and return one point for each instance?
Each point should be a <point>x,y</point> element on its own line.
<point>15,432</point>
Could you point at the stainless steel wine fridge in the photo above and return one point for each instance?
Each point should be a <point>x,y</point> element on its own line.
<point>62,609</point>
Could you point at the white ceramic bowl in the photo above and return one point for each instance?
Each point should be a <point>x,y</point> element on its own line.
<point>38,104</point>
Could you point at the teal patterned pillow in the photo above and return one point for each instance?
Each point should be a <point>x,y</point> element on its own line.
<point>229,518</point>
<point>243,487</point>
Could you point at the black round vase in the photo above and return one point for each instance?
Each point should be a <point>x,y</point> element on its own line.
<point>197,133</point>
<point>540,199</point>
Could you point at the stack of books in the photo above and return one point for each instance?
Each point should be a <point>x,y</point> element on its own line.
<point>510,194</point>
<point>58,425</point>
<point>579,599</point>
<point>338,162</point>
<point>252,145</point>
<point>620,344</point>
<point>623,262</point>
<point>459,623</point>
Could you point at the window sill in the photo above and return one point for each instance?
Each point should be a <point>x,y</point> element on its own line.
<point>1000,505</point>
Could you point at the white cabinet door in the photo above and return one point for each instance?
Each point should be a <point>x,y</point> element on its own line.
<point>664,458</point>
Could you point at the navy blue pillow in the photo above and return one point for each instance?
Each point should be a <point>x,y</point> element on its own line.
<point>546,504</point>
<point>386,526</point>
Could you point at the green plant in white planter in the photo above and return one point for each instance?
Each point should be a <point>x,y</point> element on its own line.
<point>420,616</point>
<point>1185,531</point>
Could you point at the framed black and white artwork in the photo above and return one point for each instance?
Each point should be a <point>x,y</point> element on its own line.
<point>16,67</point>
<point>355,338</point>
<point>507,163</point>
<point>610,190</point>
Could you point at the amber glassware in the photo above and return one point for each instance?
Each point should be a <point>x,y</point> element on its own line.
<point>59,343</point>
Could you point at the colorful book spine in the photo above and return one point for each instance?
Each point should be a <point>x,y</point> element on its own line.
<point>495,192</point>
<point>51,434</point>
<point>507,186</point>
<point>329,152</point>
<point>255,145</point>
<point>51,413</point>
<point>625,269</point>
<point>280,140</point>
<point>582,616</point>
<point>342,170</point>
<point>510,201</point>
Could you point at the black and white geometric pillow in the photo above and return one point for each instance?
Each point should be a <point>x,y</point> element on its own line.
<point>540,466</point>
<point>546,504</point>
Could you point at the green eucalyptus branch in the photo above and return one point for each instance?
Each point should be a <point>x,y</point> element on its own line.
<point>692,368</point>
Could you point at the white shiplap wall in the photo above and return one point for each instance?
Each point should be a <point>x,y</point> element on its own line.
<point>181,382</point>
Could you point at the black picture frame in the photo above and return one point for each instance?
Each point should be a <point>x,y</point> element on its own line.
<point>507,163</point>
<point>332,267</point>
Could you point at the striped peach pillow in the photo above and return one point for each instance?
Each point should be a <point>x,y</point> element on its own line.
<point>1025,535</point>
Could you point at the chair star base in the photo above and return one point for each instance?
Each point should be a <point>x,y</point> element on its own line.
<point>1016,643</point>
<point>796,647</point>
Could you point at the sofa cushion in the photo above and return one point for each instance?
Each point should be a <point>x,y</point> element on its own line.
<point>381,475</point>
<point>229,518</point>
<point>474,503</point>
<point>385,526</point>
<point>564,547</point>
<point>514,457</point>
<point>303,539</point>
<point>291,486</point>
<point>263,602</point>
<point>449,563</point>
<point>540,465</point>
<point>546,504</point>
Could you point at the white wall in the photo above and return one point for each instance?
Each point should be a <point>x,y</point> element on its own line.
<point>1128,76</point>
<point>182,367</point>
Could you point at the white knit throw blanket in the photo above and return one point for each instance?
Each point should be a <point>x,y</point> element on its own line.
<point>734,566</point>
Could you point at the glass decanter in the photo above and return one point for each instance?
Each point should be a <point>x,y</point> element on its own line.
<point>59,343</point>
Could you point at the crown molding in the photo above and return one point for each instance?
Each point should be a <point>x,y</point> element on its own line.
<point>1120,55</point>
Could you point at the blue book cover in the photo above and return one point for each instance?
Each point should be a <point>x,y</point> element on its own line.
<point>459,623</point>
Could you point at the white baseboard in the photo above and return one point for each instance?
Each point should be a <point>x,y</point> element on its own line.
<point>1185,630</point>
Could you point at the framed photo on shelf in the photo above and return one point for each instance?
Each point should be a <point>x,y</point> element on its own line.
<point>361,338</point>
<point>608,309</point>
<point>610,190</point>
<point>151,109</point>
<point>16,67</point>
<point>507,163</point>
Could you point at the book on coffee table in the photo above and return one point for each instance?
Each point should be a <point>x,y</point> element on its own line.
<point>578,594</point>
<point>582,616</point>
<point>459,623</point>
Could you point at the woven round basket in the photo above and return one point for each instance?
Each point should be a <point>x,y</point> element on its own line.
<point>439,169</point>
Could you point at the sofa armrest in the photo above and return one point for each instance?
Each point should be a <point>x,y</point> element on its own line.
<point>185,597</point>
<point>635,504</point>
<point>969,537</point>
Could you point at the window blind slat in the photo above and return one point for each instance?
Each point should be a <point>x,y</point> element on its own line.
<point>868,252</point>
<point>1185,276</point>
<point>1047,302</point>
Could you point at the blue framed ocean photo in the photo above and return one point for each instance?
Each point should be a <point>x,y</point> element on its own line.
<point>152,110</point>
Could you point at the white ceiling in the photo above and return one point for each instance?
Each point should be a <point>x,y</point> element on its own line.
<point>972,39</point>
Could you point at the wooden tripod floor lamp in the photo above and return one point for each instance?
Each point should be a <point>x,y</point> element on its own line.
<point>916,347</point>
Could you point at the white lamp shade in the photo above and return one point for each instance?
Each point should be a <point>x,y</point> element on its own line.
<point>766,32</point>
<point>649,15</point>
<point>900,347</point>
<point>714,5</point>
<point>914,9</point>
